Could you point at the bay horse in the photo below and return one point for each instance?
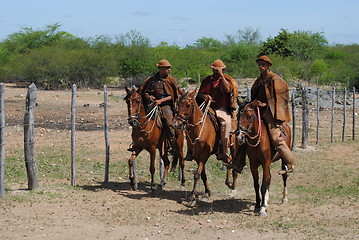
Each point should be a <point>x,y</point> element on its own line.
<point>252,132</point>
<point>148,134</point>
<point>201,138</point>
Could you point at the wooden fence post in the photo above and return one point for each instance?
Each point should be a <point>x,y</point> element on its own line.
<point>332,121</point>
<point>2,150</point>
<point>29,143</point>
<point>305,124</point>
<point>318,118</point>
<point>107,140</point>
<point>293,119</point>
<point>353,113</point>
<point>73,136</point>
<point>344,113</point>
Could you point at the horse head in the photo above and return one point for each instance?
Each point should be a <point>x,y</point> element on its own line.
<point>246,119</point>
<point>185,105</point>
<point>134,101</point>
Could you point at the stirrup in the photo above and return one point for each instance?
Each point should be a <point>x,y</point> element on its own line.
<point>286,170</point>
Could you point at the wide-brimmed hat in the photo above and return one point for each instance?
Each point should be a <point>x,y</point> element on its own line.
<point>218,64</point>
<point>264,58</point>
<point>163,63</point>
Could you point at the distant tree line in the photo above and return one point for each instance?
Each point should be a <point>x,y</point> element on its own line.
<point>54,59</point>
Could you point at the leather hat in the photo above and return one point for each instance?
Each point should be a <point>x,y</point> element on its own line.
<point>264,58</point>
<point>218,64</point>
<point>163,63</point>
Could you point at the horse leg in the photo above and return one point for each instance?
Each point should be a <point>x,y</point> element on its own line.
<point>179,155</point>
<point>265,188</point>
<point>132,168</point>
<point>152,166</point>
<point>166,163</point>
<point>207,193</point>
<point>285,193</point>
<point>255,176</point>
<point>197,174</point>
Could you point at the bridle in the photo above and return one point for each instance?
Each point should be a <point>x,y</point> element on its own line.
<point>136,117</point>
<point>184,118</point>
<point>247,131</point>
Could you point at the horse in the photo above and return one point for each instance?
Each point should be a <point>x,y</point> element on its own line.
<point>252,132</point>
<point>148,134</point>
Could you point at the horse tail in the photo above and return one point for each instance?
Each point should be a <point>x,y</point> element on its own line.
<point>174,161</point>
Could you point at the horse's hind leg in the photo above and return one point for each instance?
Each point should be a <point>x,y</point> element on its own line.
<point>265,189</point>
<point>166,163</point>
<point>285,193</point>
<point>207,193</point>
<point>132,169</point>
<point>152,166</point>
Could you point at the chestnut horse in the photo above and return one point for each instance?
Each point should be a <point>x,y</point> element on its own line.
<point>149,135</point>
<point>253,133</point>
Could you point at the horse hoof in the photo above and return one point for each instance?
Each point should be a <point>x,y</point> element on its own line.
<point>263,214</point>
<point>233,193</point>
<point>192,203</point>
<point>183,187</point>
<point>134,187</point>
<point>285,201</point>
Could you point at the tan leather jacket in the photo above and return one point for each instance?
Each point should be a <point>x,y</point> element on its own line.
<point>277,93</point>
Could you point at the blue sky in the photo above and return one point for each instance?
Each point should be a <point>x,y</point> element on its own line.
<point>184,21</point>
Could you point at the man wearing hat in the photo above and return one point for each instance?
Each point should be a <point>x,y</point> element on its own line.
<point>162,90</point>
<point>271,93</point>
<point>222,90</point>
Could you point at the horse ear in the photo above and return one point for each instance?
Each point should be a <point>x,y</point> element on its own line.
<point>127,90</point>
<point>194,93</point>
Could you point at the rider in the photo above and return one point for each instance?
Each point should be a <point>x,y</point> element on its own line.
<point>271,93</point>
<point>222,91</point>
<point>162,90</point>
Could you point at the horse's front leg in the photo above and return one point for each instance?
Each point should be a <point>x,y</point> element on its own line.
<point>197,174</point>
<point>265,189</point>
<point>132,168</point>
<point>255,176</point>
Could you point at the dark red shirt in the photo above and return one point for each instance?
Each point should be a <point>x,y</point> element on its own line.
<point>215,89</point>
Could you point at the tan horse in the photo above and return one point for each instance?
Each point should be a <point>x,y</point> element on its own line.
<point>148,135</point>
<point>253,133</point>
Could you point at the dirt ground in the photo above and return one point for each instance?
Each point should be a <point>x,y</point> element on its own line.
<point>323,191</point>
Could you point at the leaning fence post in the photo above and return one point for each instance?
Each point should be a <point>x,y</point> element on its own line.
<point>332,121</point>
<point>294,118</point>
<point>305,123</point>
<point>73,136</point>
<point>318,118</point>
<point>2,142</point>
<point>353,113</point>
<point>29,143</point>
<point>107,140</point>
<point>344,113</point>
